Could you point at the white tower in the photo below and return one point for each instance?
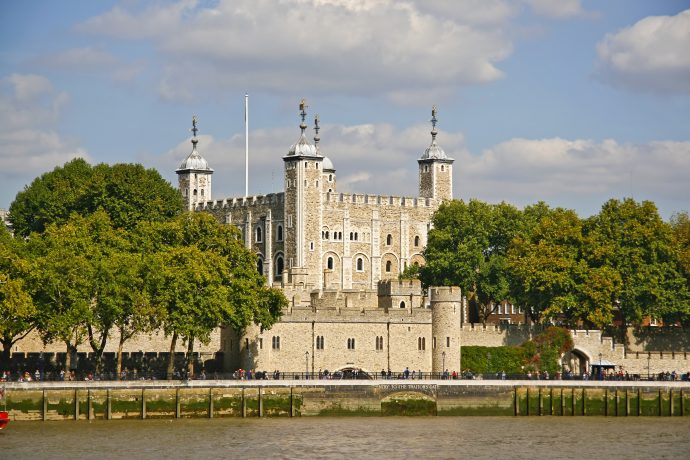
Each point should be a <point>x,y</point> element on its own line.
<point>194,176</point>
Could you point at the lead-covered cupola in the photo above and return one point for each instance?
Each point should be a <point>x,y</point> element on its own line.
<point>435,168</point>
<point>194,175</point>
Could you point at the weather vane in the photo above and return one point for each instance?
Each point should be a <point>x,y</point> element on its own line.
<point>194,128</point>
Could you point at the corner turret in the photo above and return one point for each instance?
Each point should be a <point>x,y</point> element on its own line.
<point>194,175</point>
<point>435,169</point>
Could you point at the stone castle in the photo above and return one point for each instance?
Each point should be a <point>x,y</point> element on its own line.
<point>337,257</point>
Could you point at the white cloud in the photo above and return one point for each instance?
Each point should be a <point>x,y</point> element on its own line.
<point>574,173</point>
<point>351,47</point>
<point>30,109</point>
<point>651,55</point>
<point>381,159</point>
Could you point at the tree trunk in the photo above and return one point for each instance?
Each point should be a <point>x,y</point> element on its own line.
<point>171,357</point>
<point>190,358</point>
<point>98,348</point>
<point>118,367</point>
<point>71,353</point>
<point>6,352</point>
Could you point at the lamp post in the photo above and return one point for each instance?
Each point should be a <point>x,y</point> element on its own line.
<point>443,367</point>
<point>601,374</point>
<point>306,364</point>
<point>649,358</point>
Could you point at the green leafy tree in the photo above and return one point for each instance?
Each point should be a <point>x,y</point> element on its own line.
<point>680,224</point>
<point>128,193</point>
<point>17,310</point>
<point>632,239</point>
<point>205,278</point>
<point>551,276</point>
<point>467,247</point>
<point>63,283</point>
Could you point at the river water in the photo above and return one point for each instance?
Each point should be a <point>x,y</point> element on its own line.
<point>353,438</point>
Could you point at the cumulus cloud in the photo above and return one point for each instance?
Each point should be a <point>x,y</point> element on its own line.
<point>382,159</point>
<point>578,173</point>
<point>30,108</point>
<point>351,47</point>
<point>651,55</point>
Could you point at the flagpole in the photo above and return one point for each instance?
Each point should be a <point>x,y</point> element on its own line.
<point>246,145</point>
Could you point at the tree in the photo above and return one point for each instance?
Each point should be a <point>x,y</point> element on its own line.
<point>17,310</point>
<point>467,247</point>
<point>551,277</point>
<point>680,225</point>
<point>633,240</point>
<point>204,278</point>
<point>63,283</point>
<point>128,193</point>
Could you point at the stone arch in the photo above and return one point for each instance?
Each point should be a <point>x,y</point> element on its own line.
<point>361,278</point>
<point>417,259</point>
<point>576,360</point>
<point>279,265</point>
<point>352,372</point>
<point>390,268</point>
<point>260,264</point>
<point>332,276</point>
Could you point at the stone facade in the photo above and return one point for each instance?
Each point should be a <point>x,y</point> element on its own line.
<point>335,257</point>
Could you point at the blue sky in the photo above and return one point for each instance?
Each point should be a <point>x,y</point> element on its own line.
<point>566,101</point>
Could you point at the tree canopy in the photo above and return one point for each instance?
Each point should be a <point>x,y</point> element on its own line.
<point>128,193</point>
<point>560,267</point>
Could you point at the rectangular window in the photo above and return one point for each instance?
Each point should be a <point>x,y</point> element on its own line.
<point>276,342</point>
<point>261,343</point>
<point>447,342</point>
<point>434,343</point>
<point>289,220</point>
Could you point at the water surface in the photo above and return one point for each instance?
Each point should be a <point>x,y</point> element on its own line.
<point>353,438</point>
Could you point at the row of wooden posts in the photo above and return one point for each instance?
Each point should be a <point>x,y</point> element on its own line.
<point>109,412</point>
<point>607,410</point>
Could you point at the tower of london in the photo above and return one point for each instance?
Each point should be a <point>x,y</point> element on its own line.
<point>337,257</point>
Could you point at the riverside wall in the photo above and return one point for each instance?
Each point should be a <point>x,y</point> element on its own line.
<point>208,399</point>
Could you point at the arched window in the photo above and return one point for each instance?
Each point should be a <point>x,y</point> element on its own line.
<point>279,266</point>
<point>194,192</point>
<point>330,177</point>
<point>279,232</point>
<point>329,263</point>
<point>326,234</point>
<point>389,239</point>
<point>202,192</point>
<point>360,264</point>
<point>258,235</point>
<point>351,236</point>
<point>389,265</point>
<point>402,304</point>
<point>260,266</point>
<point>416,241</point>
<point>355,236</point>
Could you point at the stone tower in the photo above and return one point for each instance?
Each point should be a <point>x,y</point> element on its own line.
<point>303,208</point>
<point>435,169</point>
<point>194,175</point>
<point>446,312</point>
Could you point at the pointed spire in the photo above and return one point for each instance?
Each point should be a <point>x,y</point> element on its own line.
<point>302,106</point>
<point>433,124</point>
<point>194,130</point>
<point>316,131</point>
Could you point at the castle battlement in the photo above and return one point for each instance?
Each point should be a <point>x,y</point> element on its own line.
<point>379,200</point>
<point>445,294</point>
<point>242,202</point>
<point>399,287</point>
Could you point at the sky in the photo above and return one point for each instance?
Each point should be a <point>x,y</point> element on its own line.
<point>571,102</point>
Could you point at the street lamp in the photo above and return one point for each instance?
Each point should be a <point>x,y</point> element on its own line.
<point>601,373</point>
<point>443,367</point>
<point>649,358</point>
<point>306,364</point>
